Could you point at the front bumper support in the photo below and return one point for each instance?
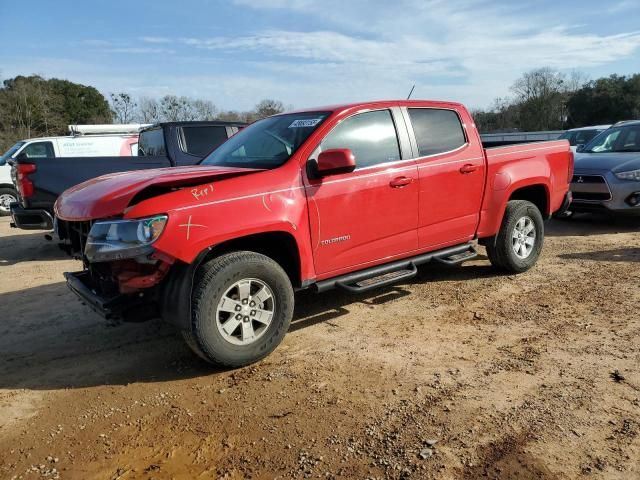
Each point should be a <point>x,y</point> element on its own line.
<point>132,308</point>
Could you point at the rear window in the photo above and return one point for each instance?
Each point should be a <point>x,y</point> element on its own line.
<point>38,150</point>
<point>201,140</point>
<point>436,131</point>
<point>151,143</point>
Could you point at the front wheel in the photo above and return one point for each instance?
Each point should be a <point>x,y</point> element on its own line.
<point>7,197</point>
<point>518,244</point>
<point>241,309</point>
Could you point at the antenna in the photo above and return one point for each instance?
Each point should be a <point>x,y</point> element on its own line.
<point>409,96</point>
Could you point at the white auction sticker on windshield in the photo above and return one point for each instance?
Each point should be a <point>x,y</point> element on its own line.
<point>312,122</point>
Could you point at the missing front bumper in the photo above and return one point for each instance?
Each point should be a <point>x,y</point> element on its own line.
<point>130,308</point>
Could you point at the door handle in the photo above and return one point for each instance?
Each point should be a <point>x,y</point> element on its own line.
<point>400,182</point>
<point>468,168</point>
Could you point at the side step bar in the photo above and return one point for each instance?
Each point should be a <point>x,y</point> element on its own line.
<point>382,275</point>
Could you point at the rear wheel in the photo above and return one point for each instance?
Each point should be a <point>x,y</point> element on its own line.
<point>7,197</point>
<point>518,244</point>
<point>242,307</point>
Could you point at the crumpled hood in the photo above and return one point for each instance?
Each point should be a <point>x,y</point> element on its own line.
<point>615,162</point>
<point>109,195</point>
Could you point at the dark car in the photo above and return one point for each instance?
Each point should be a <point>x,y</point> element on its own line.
<point>607,172</point>
<point>173,144</point>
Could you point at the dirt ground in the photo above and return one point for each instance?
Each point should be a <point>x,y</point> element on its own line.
<point>461,373</point>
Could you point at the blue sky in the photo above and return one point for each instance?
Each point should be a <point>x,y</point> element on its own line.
<point>306,53</point>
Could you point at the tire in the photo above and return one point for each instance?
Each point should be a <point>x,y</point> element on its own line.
<point>226,330</point>
<point>7,196</point>
<point>511,250</point>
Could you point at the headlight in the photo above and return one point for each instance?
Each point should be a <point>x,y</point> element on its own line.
<point>118,239</point>
<point>630,175</point>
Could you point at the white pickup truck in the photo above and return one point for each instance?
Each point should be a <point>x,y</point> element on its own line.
<point>82,141</point>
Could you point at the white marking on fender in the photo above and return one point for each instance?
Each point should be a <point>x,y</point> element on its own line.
<point>189,225</point>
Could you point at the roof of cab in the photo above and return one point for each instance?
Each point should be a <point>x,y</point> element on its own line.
<point>376,103</point>
<point>591,127</point>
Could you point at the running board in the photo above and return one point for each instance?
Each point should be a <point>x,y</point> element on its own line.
<point>458,258</point>
<point>382,275</point>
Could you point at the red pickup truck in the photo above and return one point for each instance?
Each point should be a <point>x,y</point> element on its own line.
<point>349,196</point>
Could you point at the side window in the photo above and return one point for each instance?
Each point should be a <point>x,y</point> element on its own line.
<point>200,141</point>
<point>38,150</point>
<point>583,137</point>
<point>371,137</point>
<point>436,131</point>
<point>151,143</point>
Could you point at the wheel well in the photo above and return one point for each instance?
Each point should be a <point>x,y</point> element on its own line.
<point>8,185</point>
<point>536,194</point>
<point>280,246</point>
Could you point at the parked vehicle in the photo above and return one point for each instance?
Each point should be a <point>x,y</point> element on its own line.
<point>8,193</point>
<point>582,136</point>
<point>607,172</point>
<point>351,197</point>
<point>171,144</point>
<point>83,140</point>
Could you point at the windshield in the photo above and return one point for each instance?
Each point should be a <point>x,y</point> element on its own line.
<point>579,137</point>
<point>9,153</point>
<point>616,139</point>
<point>266,143</point>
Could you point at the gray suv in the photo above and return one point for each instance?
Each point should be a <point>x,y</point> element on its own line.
<point>607,172</point>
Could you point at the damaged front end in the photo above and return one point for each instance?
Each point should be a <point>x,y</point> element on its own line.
<point>121,267</point>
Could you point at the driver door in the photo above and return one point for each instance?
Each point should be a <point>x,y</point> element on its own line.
<point>368,216</point>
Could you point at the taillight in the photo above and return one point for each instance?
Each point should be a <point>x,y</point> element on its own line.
<point>25,186</point>
<point>570,171</point>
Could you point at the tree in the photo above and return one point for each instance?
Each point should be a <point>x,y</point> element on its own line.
<point>266,108</point>
<point>540,102</point>
<point>606,100</point>
<point>123,107</point>
<point>148,110</point>
<point>81,103</point>
<point>34,106</point>
<point>541,95</point>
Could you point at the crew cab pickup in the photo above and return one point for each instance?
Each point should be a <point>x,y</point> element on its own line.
<point>351,196</point>
<point>41,179</point>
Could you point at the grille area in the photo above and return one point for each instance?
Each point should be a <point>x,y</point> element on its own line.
<point>590,188</point>
<point>73,236</point>
<point>589,179</point>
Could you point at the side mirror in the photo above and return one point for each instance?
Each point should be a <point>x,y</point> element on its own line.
<point>580,148</point>
<point>334,161</point>
<point>22,156</point>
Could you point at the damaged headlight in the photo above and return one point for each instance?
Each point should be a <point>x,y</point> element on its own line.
<point>118,239</point>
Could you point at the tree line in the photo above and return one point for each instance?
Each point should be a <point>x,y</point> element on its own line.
<point>541,99</point>
<point>32,106</point>
<point>171,108</point>
<point>547,99</point>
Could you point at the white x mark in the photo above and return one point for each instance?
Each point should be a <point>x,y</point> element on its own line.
<point>189,225</point>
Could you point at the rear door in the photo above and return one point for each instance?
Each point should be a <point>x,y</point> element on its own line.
<point>369,215</point>
<point>451,169</point>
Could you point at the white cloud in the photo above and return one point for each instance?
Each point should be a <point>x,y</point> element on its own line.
<point>140,50</point>
<point>155,39</point>
<point>487,44</point>
<point>469,51</point>
<point>623,6</point>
